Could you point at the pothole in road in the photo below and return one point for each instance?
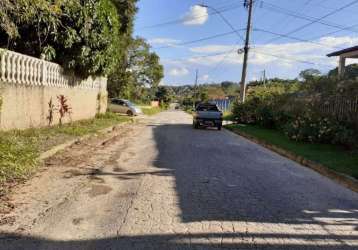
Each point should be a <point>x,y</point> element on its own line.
<point>97,190</point>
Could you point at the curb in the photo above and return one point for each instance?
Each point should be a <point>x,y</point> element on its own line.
<point>51,152</point>
<point>342,179</point>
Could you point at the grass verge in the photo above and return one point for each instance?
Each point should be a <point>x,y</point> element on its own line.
<point>151,110</point>
<point>20,149</point>
<point>334,157</point>
<point>228,116</point>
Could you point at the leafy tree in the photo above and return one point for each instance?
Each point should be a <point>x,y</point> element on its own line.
<point>6,22</point>
<point>227,84</point>
<point>27,25</point>
<point>308,74</point>
<point>143,69</point>
<point>164,95</point>
<point>83,36</point>
<point>144,64</point>
<point>121,81</point>
<point>203,95</point>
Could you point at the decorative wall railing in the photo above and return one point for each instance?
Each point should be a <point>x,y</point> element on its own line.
<point>16,68</point>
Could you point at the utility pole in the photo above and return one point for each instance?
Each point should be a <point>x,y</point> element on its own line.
<point>264,76</point>
<point>247,4</point>
<point>196,86</point>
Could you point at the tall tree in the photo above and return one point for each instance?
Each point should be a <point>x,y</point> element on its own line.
<point>143,69</point>
<point>83,36</point>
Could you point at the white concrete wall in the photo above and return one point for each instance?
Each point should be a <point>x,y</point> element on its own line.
<point>28,84</point>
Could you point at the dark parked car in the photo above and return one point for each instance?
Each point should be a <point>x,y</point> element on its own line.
<point>207,115</point>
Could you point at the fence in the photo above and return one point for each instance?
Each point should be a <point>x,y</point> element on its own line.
<point>223,104</point>
<point>28,84</point>
<point>341,107</point>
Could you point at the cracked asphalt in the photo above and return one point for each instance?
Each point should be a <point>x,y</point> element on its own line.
<point>164,185</point>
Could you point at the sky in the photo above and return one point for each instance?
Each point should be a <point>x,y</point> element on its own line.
<point>287,36</point>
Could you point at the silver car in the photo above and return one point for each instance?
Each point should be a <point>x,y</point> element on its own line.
<point>123,106</point>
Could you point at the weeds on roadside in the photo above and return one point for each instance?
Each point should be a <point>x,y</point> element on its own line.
<point>152,110</point>
<point>19,149</point>
<point>18,157</point>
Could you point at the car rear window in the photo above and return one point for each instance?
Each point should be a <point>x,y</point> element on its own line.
<point>116,101</point>
<point>207,108</point>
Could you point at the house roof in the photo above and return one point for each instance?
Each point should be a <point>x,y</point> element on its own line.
<point>343,51</point>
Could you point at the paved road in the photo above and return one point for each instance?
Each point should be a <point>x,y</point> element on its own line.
<point>168,186</point>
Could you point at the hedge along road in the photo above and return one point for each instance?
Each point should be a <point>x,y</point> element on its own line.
<point>162,185</point>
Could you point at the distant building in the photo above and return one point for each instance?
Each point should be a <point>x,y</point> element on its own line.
<point>351,52</point>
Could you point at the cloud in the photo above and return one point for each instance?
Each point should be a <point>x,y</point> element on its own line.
<point>204,77</point>
<point>164,41</point>
<point>182,71</point>
<point>285,55</point>
<point>211,49</point>
<point>197,15</point>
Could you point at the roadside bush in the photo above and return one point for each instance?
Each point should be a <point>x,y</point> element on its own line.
<point>294,110</point>
<point>309,128</point>
<point>346,135</point>
<point>246,112</point>
<point>265,106</point>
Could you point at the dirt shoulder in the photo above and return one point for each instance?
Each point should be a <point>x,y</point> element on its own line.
<point>61,177</point>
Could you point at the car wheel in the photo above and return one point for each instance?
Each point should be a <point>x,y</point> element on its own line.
<point>195,125</point>
<point>129,113</point>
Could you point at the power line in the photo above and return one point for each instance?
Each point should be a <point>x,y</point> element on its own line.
<point>333,32</point>
<point>286,19</point>
<point>215,68</point>
<point>323,17</point>
<point>201,39</point>
<point>288,58</point>
<point>278,9</point>
<point>196,57</point>
<point>339,28</point>
<point>295,38</point>
<point>225,20</point>
<point>255,50</point>
<point>316,20</point>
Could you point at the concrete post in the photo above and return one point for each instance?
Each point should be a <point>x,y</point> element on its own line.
<point>341,66</point>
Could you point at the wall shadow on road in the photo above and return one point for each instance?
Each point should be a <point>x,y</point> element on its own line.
<point>204,241</point>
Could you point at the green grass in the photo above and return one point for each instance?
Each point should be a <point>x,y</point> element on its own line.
<point>151,110</point>
<point>228,116</point>
<point>332,156</point>
<point>21,148</point>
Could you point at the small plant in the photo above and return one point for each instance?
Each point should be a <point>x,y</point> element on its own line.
<point>51,110</point>
<point>64,108</point>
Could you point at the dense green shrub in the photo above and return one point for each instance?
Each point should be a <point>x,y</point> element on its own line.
<point>293,109</point>
<point>307,127</point>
